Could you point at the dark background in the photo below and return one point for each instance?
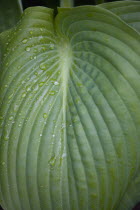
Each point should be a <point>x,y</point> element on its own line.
<point>54,4</point>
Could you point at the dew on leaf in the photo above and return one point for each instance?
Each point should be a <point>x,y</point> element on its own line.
<point>42,66</point>
<point>53,135</point>
<point>43,49</point>
<point>11,118</point>
<point>45,115</point>
<point>56,83</point>
<point>52,93</point>
<point>23,94</point>
<point>27,49</point>
<point>64,155</point>
<point>40,134</point>
<point>24,41</point>
<point>40,37</point>
<point>52,161</point>
<point>28,88</point>
<point>23,82</point>
<point>63,125</point>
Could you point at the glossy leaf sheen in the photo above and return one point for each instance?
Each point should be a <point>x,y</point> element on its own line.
<point>70,101</point>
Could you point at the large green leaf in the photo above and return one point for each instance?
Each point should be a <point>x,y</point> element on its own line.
<point>70,119</point>
<point>129,11</point>
<point>10,12</point>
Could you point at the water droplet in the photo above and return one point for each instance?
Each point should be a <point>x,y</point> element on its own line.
<point>43,49</point>
<point>24,41</point>
<point>22,82</point>
<point>11,118</point>
<point>52,93</point>
<point>64,155</point>
<point>40,134</point>
<point>45,115</point>
<point>53,135</point>
<point>34,57</point>
<point>52,161</point>
<point>27,49</point>
<point>63,125</point>
<point>28,88</point>
<point>19,124</point>
<point>42,66</point>
<point>23,94</point>
<point>40,37</point>
<point>56,83</point>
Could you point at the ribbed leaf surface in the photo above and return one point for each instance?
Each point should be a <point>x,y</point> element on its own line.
<point>70,119</point>
<point>128,11</point>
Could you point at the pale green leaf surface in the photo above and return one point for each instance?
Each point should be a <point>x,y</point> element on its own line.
<point>128,11</point>
<point>70,123</point>
<point>10,12</point>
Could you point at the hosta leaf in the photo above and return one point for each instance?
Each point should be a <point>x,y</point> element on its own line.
<point>10,12</point>
<point>70,123</point>
<point>128,11</point>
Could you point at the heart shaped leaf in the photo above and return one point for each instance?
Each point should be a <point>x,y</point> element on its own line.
<point>70,101</point>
